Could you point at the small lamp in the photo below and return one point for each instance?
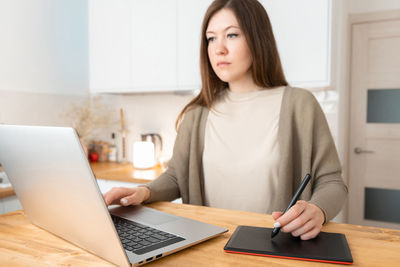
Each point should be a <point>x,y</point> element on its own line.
<point>143,155</point>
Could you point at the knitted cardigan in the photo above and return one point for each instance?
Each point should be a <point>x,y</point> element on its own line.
<point>305,143</point>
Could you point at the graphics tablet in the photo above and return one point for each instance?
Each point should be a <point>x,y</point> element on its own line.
<point>326,247</point>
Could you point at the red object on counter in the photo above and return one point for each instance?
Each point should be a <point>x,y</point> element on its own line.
<point>94,157</point>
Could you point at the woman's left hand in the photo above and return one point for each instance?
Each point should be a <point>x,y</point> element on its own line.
<point>302,219</point>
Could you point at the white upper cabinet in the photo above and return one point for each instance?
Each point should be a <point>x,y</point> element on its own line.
<point>153,52</point>
<point>190,19</point>
<point>303,33</point>
<point>133,46</point>
<point>109,45</point>
<point>153,45</point>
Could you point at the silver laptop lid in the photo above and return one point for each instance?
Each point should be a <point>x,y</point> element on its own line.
<point>56,187</point>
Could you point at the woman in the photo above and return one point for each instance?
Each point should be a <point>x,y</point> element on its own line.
<point>247,140</point>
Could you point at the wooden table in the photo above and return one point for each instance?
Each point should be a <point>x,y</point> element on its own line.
<point>23,244</point>
<point>124,172</point>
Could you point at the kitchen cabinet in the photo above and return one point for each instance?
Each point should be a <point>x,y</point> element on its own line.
<point>141,46</point>
<point>190,19</point>
<point>109,45</point>
<point>134,46</point>
<point>303,39</point>
<point>302,31</point>
<point>154,50</point>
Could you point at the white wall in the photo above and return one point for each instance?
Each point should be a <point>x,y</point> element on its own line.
<point>44,46</point>
<point>35,108</point>
<point>43,59</point>
<point>340,61</point>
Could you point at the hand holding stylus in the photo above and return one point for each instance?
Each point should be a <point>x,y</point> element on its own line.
<point>300,217</point>
<point>303,219</point>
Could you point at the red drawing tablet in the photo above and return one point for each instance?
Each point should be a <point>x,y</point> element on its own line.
<point>326,247</point>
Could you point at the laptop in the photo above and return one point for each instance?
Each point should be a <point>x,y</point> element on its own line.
<point>52,178</point>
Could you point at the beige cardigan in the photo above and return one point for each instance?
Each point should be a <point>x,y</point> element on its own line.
<point>306,146</point>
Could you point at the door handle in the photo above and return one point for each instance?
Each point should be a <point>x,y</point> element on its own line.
<point>358,150</point>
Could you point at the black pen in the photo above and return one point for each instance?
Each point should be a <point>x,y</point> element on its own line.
<point>293,201</point>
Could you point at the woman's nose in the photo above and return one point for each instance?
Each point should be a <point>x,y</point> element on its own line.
<point>221,49</point>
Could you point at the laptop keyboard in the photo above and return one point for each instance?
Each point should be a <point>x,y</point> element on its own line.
<point>139,238</point>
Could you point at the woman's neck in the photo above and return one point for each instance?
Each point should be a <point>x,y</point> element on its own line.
<point>244,85</point>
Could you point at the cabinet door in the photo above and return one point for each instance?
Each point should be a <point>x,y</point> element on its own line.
<point>109,45</point>
<point>153,45</point>
<point>190,19</point>
<point>302,30</point>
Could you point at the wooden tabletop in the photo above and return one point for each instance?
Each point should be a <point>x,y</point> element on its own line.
<point>124,172</point>
<point>23,244</point>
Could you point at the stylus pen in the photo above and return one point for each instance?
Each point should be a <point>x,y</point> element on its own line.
<point>293,201</point>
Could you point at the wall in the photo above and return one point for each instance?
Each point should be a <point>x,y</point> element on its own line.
<point>43,59</point>
<point>35,108</point>
<point>44,46</point>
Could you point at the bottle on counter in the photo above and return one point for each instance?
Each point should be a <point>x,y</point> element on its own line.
<point>112,150</point>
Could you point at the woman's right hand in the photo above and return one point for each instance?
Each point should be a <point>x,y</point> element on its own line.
<point>126,196</point>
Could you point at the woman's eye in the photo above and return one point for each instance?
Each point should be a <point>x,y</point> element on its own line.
<point>232,35</point>
<point>210,39</point>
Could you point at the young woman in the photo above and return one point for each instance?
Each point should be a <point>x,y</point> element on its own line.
<point>247,140</point>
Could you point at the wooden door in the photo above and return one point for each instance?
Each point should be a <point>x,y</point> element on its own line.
<point>374,167</point>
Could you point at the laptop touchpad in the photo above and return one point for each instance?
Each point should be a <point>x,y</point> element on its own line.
<point>143,214</point>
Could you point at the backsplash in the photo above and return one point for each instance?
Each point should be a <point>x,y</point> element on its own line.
<point>157,113</point>
<point>152,114</point>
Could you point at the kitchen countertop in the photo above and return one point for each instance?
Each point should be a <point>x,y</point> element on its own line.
<point>124,172</point>
<point>6,192</point>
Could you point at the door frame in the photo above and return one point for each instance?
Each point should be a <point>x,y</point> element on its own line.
<point>344,117</point>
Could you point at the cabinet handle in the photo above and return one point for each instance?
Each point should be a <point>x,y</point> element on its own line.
<point>358,150</point>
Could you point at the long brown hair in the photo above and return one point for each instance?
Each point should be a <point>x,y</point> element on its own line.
<point>266,67</point>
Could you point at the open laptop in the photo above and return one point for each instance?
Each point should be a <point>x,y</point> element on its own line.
<point>52,178</point>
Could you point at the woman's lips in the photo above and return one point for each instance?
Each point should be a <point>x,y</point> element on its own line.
<point>222,64</point>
